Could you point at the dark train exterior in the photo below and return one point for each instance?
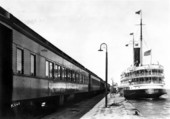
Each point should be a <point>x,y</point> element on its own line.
<point>34,70</point>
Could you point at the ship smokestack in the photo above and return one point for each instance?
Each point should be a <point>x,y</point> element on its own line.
<point>136,56</point>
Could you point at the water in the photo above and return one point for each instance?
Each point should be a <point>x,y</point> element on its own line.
<point>155,108</point>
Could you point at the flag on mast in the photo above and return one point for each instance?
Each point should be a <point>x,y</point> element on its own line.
<point>146,53</point>
<point>138,12</point>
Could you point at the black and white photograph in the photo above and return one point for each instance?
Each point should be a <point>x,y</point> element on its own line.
<point>84,59</point>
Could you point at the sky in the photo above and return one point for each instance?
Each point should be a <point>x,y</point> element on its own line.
<point>78,27</point>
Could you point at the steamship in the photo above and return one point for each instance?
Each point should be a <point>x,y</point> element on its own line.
<point>139,80</point>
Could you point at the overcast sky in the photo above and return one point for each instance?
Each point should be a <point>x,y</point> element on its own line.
<point>78,27</point>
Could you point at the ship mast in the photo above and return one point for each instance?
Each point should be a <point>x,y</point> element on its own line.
<point>141,37</point>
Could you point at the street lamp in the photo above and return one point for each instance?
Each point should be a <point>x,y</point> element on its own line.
<point>106,70</point>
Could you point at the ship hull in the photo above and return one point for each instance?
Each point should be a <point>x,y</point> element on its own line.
<point>144,93</point>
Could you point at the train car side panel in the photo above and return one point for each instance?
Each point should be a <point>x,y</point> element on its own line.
<point>29,88</point>
<point>56,86</point>
<point>95,83</point>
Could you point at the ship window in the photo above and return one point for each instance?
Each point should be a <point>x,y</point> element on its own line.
<point>20,61</point>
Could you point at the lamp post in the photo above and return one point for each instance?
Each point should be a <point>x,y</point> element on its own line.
<point>105,70</point>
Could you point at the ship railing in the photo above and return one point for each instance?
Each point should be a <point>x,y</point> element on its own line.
<point>143,75</point>
<point>148,74</point>
<point>148,82</point>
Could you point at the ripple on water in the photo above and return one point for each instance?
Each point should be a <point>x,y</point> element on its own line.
<point>156,108</point>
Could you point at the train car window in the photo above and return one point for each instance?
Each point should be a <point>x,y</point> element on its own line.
<point>20,61</point>
<point>59,72</point>
<point>51,70</point>
<point>33,65</point>
<point>81,78</point>
<point>56,71</point>
<point>80,81</point>
<point>87,79</point>
<point>70,75</point>
<point>71,72</point>
<point>73,76</point>
<point>47,69</point>
<point>63,73</point>
<point>84,79</point>
<point>67,75</point>
<point>77,77</point>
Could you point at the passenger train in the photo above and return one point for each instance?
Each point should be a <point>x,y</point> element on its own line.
<point>34,71</point>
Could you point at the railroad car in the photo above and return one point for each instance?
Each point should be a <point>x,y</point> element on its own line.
<point>34,72</point>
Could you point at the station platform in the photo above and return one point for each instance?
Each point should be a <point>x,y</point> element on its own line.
<point>117,108</point>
